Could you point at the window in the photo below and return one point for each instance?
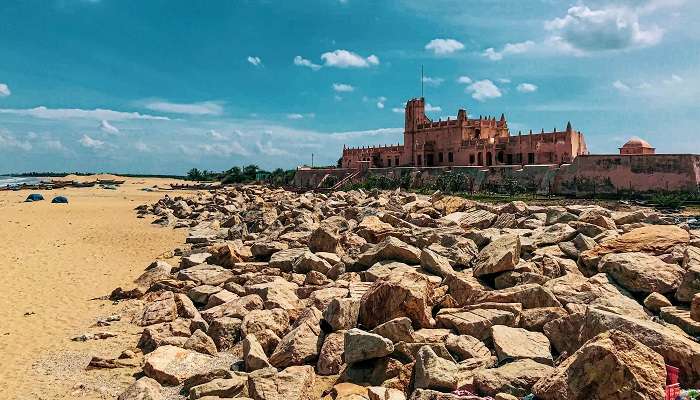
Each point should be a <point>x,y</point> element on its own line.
<point>471,159</point>
<point>509,159</point>
<point>440,157</point>
<point>530,158</point>
<point>388,162</point>
<point>420,160</point>
<point>450,158</point>
<point>396,161</point>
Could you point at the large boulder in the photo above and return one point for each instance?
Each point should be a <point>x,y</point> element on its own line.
<point>360,346</point>
<point>341,314</point>
<point>220,388</point>
<point>330,360</point>
<point>403,294</point>
<point>162,309</point>
<point>324,239</point>
<point>291,383</point>
<point>502,254</point>
<point>396,330</point>
<point>171,365</point>
<point>516,378</point>
<point>390,248</point>
<point>690,285</point>
<point>435,263</point>
<point>652,239</point>
<point>302,344</point>
<point>639,272</point>
<point>612,365</point>
<point>253,354</point>
<point>517,344</point>
<point>476,322</point>
<point>143,389</point>
<point>434,372</point>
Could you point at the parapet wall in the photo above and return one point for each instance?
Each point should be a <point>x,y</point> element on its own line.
<point>588,175</point>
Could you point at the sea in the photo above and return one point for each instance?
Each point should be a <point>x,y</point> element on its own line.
<point>19,180</point>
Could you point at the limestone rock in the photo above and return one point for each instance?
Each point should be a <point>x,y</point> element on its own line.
<point>433,372</point>
<point>502,254</point>
<point>690,285</point>
<point>639,272</point>
<point>695,308</point>
<point>225,332</point>
<point>301,345</point>
<point>516,378</point>
<point>330,360</point>
<point>237,308</point>
<point>225,388</point>
<point>276,320</point>
<point>172,365</point>
<point>396,330</point>
<point>295,382</point>
<point>390,248</point>
<point>517,344</point>
<point>310,262</point>
<point>534,319</point>
<point>681,317</point>
<point>653,239</point>
<point>655,301</point>
<point>476,322</point>
<point>163,309</point>
<point>253,354</point>
<point>435,263</point>
<point>324,239</point>
<point>200,342</point>
<point>143,389</point>
<point>624,369</point>
<point>467,347</point>
<point>284,259</point>
<point>360,346</point>
<point>382,393</point>
<point>341,314</point>
<point>404,294</point>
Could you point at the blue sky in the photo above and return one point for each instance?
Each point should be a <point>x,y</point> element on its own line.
<point>161,86</point>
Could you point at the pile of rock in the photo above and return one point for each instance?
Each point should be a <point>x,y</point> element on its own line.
<point>394,295</point>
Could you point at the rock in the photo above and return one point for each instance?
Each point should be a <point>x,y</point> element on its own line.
<point>324,239</point>
<point>681,317</point>
<point>476,322</point>
<point>695,308</point>
<point>204,274</point>
<point>330,360</point>
<point>390,248</point>
<point>624,369</point>
<point>655,301</point>
<point>194,259</point>
<point>518,344</point>
<point>403,294</point>
<point>225,332</point>
<point>264,250</point>
<point>162,309</point>
<point>200,342</point>
<point>226,388</point>
<point>157,271</point>
<point>639,272</point>
<point>292,383</point>
<point>219,298</point>
<point>690,285</point>
<point>559,216</point>
<point>426,394</point>
<point>516,378</point>
<point>382,393</point>
<point>360,346</point>
<point>435,263</point>
<point>475,218</point>
<point>341,314</point>
<point>310,262</point>
<point>529,295</point>
<point>396,330</point>
<point>200,294</point>
<point>301,345</point>
<point>237,308</point>
<point>143,389</point>
<point>347,391</point>
<point>284,259</point>
<point>276,320</point>
<point>653,239</point>
<point>254,355</point>
<point>534,319</point>
<point>505,396</point>
<point>502,254</point>
<point>466,347</point>
<point>208,376</point>
<point>433,372</point>
<point>373,230</point>
<point>322,298</point>
<point>172,365</point>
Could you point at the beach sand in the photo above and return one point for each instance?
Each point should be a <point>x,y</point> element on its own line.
<point>55,259</point>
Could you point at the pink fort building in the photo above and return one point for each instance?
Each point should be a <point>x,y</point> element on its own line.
<point>464,142</point>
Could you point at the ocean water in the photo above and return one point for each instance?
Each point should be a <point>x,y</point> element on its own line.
<point>18,180</point>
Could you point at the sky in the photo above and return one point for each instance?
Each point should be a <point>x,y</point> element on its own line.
<point>162,86</point>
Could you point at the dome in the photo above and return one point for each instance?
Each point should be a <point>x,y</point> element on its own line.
<point>637,142</point>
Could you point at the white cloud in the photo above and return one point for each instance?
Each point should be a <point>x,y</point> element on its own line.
<point>106,127</point>
<point>348,59</point>
<point>297,116</point>
<point>70,113</point>
<point>504,80</point>
<point>202,108</point>
<point>444,46</point>
<point>621,86</point>
<point>612,28</point>
<point>380,102</point>
<point>90,143</point>
<point>509,49</point>
<point>9,142</point>
<point>342,87</point>
<point>302,62</point>
<point>431,108</point>
<point>431,81</point>
<point>484,90</point>
<point>527,88</point>
<point>464,79</point>
<point>398,110</point>
<point>269,150</point>
<point>216,135</point>
<point>674,79</point>
<point>256,61</point>
<point>4,90</point>
<point>142,147</point>
<point>53,144</point>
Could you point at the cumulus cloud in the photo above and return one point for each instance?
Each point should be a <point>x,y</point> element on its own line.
<point>106,127</point>
<point>527,88</point>
<point>53,144</point>
<point>268,149</point>
<point>216,135</point>
<point>297,116</point>
<point>613,28</point>
<point>302,62</point>
<point>674,79</point>
<point>202,108</point>
<point>343,87</point>
<point>621,86</point>
<point>380,102</point>
<point>431,81</point>
<point>509,49</point>
<point>256,61</point>
<point>10,142</point>
<point>76,113</point>
<point>484,90</point>
<point>4,90</point>
<point>431,108</point>
<point>90,143</point>
<point>464,79</point>
<point>444,46</point>
<point>348,59</point>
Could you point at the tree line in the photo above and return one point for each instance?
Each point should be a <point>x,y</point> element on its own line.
<point>247,174</point>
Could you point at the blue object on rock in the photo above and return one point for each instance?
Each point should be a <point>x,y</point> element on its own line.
<point>34,197</point>
<point>60,200</point>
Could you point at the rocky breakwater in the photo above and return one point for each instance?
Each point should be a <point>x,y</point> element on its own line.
<point>393,295</point>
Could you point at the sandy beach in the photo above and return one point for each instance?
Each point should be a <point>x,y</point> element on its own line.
<point>56,258</point>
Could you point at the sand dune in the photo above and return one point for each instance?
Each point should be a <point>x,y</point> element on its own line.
<point>55,259</point>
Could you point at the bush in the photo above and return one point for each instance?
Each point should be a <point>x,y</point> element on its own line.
<point>669,200</point>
